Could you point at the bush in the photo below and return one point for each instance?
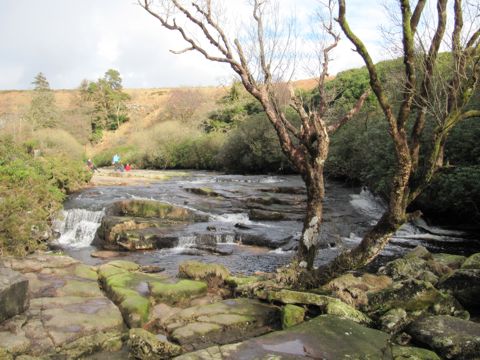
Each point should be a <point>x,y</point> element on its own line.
<point>31,192</point>
<point>254,147</point>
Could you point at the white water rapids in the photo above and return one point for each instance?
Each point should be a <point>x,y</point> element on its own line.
<point>77,227</point>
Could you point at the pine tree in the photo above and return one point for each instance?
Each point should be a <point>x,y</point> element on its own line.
<point>43,112</point>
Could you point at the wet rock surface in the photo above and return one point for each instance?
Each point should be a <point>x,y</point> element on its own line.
<point>68,315</point>
<point>223,322</point>
<point>325,337</point>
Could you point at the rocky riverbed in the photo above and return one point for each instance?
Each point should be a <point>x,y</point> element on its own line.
<point>420,306</point>
<point>156,265</point>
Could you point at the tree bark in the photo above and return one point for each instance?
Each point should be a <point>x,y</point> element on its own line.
<point>309,242</point>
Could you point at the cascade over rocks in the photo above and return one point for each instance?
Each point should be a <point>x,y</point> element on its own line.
<point>142,225</point>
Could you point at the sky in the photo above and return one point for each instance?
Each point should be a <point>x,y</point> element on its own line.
<point>72,40</point>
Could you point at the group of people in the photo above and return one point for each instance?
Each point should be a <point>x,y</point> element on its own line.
<point>117,165</point>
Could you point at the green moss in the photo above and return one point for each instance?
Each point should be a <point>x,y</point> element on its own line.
<point>86,272</point>
<point>241,280</point>
<point>177,293</point>
<point>292,315</point>
<point>106,271</point>
<point>452,261</point>
<point>136,308</point>
<point>145,345</point>
<point>472,262</point>
<point>412,353</point>
<point>125,265</point>
<point>200,271</point>
<point>80,288</point>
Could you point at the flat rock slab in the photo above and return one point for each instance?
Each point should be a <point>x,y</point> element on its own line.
<point>221,323</point>
<point>13,293</point>
<point>68,316</point>
<point>451,337</point>
<point>325,337</point>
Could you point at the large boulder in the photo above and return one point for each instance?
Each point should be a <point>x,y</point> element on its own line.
<point>14,298</point>
<point>464,284</point>
<point>153,209</point>
<point>353,289</point>
<point>450,337</point>
<point>324,337</point>
<point>472,262</point>
<point>142,225</point>
<point>221,323</point>
<point>415,297</point>
<point>134,291</point>
<point>213,274</point>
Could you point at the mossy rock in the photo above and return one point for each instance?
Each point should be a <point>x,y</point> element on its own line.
<point>327,304</point>
<point>201,271</point>
<point>222,322</point>
<point>292,315</point>
<point>353,289</point>
<point>179,292</point>
<point>393,321</point>
<point>464,284</point>
<point>239,281</point>
<point>152,209</point>
<point>325,337</point>
<point>472,262</point>
<point>452,261</point>
<point>404,268</point>
<point>413,296</point>
<point>412,353</point>
<point>146,346</point>
<point>450,337</point>
<point>125,265</point>
<point>86,272</point>
<point>135,310</point>
<point>5,355</point>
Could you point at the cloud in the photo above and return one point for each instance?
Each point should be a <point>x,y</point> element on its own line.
<point>73,40</point>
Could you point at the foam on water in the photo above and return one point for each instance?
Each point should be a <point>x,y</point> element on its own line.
<point>232,218</point>
<point>368,204</point>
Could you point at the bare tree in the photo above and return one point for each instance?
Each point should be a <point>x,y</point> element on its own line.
<point>182,104</point>
<point>426,93</point>
<point>261,64</point>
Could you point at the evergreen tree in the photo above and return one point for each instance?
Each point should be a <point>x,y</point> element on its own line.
<point>108,98</point>
<point>43,112</point>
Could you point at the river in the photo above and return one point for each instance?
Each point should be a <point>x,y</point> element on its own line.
<point>348,214</point>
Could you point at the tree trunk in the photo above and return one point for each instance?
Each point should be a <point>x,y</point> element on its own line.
<point>375,240</point>
<point>309,242</point>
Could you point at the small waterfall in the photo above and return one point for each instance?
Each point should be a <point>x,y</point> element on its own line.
<point>205,240</point>
<point>368,204</point>
<point>78,227</point>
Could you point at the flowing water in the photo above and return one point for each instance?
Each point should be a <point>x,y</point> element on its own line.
<point>348,214</point>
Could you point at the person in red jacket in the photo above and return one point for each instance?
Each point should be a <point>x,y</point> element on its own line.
<point>128,167</point>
